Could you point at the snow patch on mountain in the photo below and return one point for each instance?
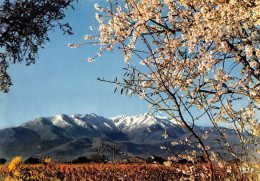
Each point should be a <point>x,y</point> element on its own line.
<point>108,125</point>
<point>60,121</point>
<point>81,123</point>
<point>145,120</point>
<point>120,123</point>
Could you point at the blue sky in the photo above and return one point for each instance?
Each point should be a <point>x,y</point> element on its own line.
<point>63,81</point>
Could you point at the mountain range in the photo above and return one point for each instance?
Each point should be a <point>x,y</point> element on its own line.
<point>71,136</point>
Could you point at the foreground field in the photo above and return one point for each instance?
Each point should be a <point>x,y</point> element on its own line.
<point>95,172</point>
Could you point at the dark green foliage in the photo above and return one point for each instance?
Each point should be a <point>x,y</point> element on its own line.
<point>32,160</point>
<point>24,25</point>
<point>2,161</point>
<point>81,159</point>
<point>94,158</point>
<point>183,161</point>
<point>98,158</point>
<point>156,159</point>
<point>201,159</point>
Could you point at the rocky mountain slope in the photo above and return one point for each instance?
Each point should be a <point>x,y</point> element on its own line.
<point>70,136</point>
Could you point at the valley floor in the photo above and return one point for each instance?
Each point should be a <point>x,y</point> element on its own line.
<point>109,172</point>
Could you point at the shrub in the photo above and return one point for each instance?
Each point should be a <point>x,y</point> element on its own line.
<point>81,159</point>
<point>32,160</point>
<point>2,161</point>
<point>98,158</point>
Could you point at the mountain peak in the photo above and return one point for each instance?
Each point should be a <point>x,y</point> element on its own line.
<point>74,135</point>
<point>145,120</point>
<point>62,120</point>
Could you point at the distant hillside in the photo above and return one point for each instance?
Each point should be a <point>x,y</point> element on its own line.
<point>76,135</point>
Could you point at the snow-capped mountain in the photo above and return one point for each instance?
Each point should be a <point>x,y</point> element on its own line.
<point>130,123</point>
<point>69,136</point>
<point>87,121</point>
